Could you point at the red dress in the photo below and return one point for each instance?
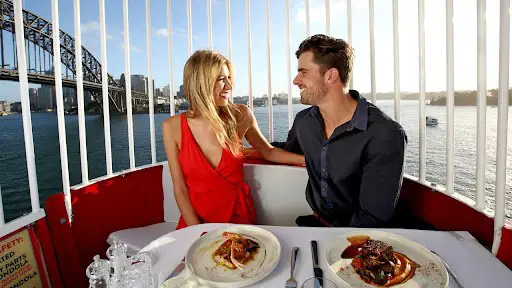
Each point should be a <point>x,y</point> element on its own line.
<point>218,195</point>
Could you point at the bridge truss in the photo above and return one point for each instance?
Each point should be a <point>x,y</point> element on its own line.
<point>39,31</point>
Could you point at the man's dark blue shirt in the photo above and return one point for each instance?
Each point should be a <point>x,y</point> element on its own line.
<point>354,176</point>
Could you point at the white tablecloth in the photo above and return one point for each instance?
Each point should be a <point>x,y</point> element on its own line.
<point>472,263</point>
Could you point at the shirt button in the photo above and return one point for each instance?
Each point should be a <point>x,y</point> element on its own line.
<point>323,189</point>
<point>325,147</point>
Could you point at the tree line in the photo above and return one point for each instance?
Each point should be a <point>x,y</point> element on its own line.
<point>469,98</point>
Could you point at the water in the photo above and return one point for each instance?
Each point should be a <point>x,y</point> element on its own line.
<point>14,179</point>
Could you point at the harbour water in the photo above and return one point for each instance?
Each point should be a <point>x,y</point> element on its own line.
<point>14,179</point>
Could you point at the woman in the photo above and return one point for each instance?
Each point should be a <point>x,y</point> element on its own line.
<point>204,147</point>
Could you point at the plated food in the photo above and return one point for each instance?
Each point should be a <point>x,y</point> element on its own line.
<point>377,263</point>
<point>236,251</point>
<point>235,256</point>
<point>382,259</point>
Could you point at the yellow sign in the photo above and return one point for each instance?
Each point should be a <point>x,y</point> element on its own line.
<point>18,267</point>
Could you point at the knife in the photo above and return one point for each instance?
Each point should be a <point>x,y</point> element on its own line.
<point>316,269</point>
<point>450,271</point>
<point>177,270</point>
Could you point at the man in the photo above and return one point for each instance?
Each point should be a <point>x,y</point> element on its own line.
<point>354,152</point>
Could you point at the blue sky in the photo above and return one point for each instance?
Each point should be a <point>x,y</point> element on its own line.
<point>464,21</point>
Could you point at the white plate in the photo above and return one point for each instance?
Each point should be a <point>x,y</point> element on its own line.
<point>431,272</point>
<point>200,262</point>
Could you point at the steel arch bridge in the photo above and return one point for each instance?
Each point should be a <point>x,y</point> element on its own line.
<point>39,31</point>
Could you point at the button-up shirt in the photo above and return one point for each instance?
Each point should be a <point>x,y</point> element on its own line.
<point>355,176</point>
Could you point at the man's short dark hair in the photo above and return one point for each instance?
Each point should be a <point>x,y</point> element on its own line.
<point>330,52</point>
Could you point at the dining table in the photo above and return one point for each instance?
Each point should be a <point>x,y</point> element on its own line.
<point>472,263</point>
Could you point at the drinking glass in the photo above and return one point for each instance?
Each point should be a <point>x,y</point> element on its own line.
<point>98,273</point>
<point>138,272</point>
<point>314,283</point>
<point>117,257</point>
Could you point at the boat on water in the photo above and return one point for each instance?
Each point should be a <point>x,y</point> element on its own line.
<point>137,206</point>
<point>432,121</point>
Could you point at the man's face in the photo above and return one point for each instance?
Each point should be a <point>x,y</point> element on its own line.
<point>310,80</point>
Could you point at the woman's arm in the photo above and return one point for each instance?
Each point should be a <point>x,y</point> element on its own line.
<point>260,144</point>
<point>169,128</point>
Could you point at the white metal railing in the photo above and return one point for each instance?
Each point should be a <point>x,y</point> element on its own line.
<point>501,157</point>
<point>228,33</point>
<point>80,93</point>
<point>189,26</point>
<point>501,147</point>
<point>25,106</point>
<point>150,83</point>
<point>371,15</point>
<point>396,60</point>
<point>450,101</point>
<point>37,213</point>
<point>308,19</point>
<point>104,90</point>
<point>328,17</point>
<point>60,108</point>
<point>209,12</point>
<point>249,48</point>
<point>481,105</point>
<point>349,33</point>
<point>421,52</point>
<point>288,63</point>
<point>269,76</point>
<point>128,84</point>
<point>169,57</point>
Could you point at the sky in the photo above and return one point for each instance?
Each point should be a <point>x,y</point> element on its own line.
<point>465,40</point>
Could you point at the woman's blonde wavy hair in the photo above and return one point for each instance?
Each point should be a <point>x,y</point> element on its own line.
<point>199,77</point>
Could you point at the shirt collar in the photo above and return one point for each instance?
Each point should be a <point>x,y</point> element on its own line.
<point>359,119</point>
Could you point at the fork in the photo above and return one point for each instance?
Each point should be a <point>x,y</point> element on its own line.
<point>292,283</point>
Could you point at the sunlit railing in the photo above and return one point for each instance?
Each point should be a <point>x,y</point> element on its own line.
<point>501,153</point>
<point>501,157</point>
<point>37,212</point>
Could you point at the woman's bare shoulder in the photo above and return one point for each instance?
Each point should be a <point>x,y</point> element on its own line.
<point>171,124</point>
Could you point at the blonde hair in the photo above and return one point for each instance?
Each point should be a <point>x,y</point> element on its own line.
<point>199,78</point>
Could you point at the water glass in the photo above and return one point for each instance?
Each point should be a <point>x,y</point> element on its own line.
<point>118,258</point>
<point>314,283</point>
<point>98,273</point>
<point>138,272</point>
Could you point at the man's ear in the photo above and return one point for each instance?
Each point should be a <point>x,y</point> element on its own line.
<point>331,76</point>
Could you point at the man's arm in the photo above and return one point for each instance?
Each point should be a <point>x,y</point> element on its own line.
<point>382,178</point>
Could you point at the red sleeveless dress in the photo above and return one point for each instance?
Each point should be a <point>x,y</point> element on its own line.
<point>218,195</point>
